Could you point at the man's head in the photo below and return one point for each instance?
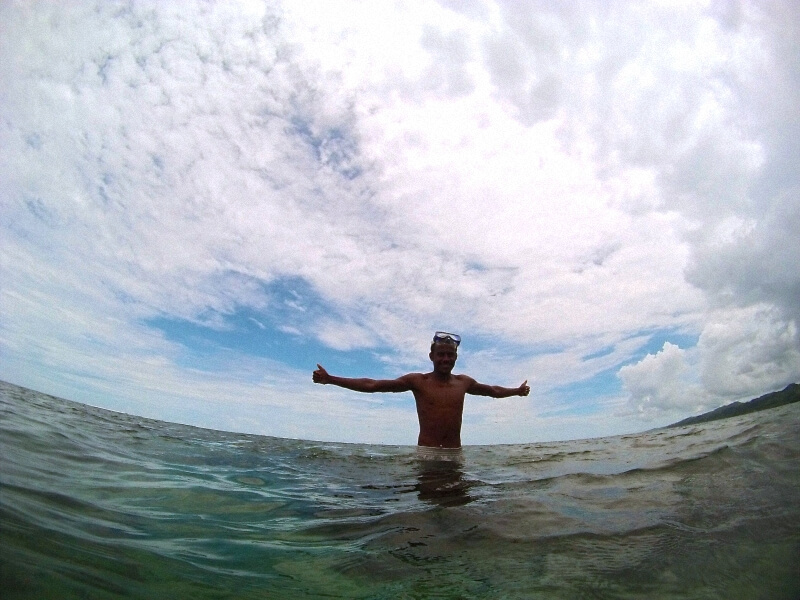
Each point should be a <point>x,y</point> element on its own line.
<point>444,351</point>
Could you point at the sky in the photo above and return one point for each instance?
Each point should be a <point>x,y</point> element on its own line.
<point>200,201</point>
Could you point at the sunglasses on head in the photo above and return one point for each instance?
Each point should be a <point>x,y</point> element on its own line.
<point>447,338</point>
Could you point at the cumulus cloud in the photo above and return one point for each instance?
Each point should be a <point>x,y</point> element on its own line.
<point>661,382</point>
<point>748,351</point>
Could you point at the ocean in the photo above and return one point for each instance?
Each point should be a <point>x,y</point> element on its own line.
<point>97,504</point>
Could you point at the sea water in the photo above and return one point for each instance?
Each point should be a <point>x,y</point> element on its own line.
<point>97,504</point>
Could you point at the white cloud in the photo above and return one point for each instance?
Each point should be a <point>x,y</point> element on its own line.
<point>749,351</point>
<point>661,382</point>
<point>757,262</point>
<point>559,179</point>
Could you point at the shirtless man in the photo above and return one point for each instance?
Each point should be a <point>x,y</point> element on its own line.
<point>439,394</point>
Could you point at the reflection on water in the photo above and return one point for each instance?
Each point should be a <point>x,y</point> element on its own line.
<point>440,477</point>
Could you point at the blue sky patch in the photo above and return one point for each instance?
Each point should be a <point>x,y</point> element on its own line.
<point>281,331</point>
<point>580,397</point>
<point>657,340</point>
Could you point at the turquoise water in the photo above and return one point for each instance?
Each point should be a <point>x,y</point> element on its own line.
<point>96,504</point>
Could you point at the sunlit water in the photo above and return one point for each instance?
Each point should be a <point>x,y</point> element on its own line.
<point>96,504</point>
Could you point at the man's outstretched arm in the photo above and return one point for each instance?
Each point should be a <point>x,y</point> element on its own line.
<point>496,391</point>
<point>401,384</point>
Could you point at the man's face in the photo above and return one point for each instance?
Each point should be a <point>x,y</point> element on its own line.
<point>444,357</point>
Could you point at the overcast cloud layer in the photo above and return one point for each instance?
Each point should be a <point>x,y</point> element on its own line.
<point>200,201</point>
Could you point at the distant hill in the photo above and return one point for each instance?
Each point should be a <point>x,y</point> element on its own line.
<point>786,396</point>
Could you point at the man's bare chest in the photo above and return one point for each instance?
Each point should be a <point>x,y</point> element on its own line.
<point>441,394</point>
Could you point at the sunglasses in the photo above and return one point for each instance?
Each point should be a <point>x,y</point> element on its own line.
<point>447,338</point>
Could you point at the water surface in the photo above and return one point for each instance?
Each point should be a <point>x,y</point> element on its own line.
<point>96,504</point>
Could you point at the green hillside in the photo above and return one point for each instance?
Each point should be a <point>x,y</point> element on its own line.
<point>786,396</point>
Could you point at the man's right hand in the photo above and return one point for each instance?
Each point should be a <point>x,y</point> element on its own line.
<point>321,375</point>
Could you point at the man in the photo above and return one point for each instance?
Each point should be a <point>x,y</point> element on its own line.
<point>439,395</point>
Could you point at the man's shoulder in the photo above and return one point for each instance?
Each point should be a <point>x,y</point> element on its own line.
<point>412,377</point>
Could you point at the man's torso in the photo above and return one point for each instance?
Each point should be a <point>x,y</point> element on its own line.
<point>440,406</point>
